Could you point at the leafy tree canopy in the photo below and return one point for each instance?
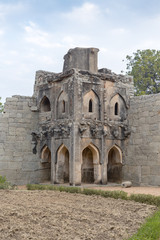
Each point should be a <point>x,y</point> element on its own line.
<point>144,66</point>
<point>1,106</point>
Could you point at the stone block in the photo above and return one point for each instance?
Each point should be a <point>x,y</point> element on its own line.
<point>145,170</point>
<point>14,165</point>
<point>155,170</point>
<point>126,184</point>
<point>3,165</point>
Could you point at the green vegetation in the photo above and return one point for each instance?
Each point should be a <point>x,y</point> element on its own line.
<point>146,198</point>
<point>141,198</point>
<point>1,106</point>
<point>150,230</point>
<point>144,66</point>
<point>86,191</point>
<point>4,184</point>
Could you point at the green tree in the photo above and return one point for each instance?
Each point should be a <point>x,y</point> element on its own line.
<point>1,106</point>
<point>144,66</point>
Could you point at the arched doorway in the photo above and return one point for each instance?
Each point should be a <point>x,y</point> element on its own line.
<point>87,169</point>
<point>46,162</point>
<point>114,166</point>
<point>90,166</point>
<point>62,166</point>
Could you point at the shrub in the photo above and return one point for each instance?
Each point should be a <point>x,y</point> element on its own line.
<point>145,198</point>
<point>4,184</point>
<point>115,194</point>
<point>88,191</point>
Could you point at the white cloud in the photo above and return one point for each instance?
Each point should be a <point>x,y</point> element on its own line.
<point>1,32</point>
<point>39,37</point>
<point>118,31</point>
<point>85,14</point>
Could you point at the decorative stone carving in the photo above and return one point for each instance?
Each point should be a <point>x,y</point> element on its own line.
<point>35,137</point>
<point>82,129</point>
<point>93,130</point>
<point>126,131</point>
<point>62,130</point>
<point>115,131</point>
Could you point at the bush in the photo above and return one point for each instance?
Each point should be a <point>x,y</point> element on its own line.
<point>146,198</point>
<point>4,184</point>
<point>87,191</point>
<point>115,194</point>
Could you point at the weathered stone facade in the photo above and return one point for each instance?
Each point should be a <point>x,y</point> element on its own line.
<point>81,125</point>
<point>142,155</point>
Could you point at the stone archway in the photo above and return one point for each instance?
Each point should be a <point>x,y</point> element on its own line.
<point>46,162</point>
<point>114,166</point>
<point>45,105</point>
<point>62,166</point>
<point>87,169</point>
<point>90,165</point>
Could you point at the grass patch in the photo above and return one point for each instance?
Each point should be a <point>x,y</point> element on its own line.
<point>141,198</point>
<point>150,230</point>
<point>146,198</point>
<point>86,191</point>
<point>4,184</point>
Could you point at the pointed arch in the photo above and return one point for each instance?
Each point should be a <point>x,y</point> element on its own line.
<point>118,108</point>
<point>62,164</point>
<point>46,154</point>
<point>120,96</point>
<point>114,166</point>
<point>62,104</point>
<point>46,162</point>
<point>90,164</point>
<point>45,105</point>
<point>91,105</point>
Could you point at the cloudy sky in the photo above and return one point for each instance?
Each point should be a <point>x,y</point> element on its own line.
<point>36,34</point>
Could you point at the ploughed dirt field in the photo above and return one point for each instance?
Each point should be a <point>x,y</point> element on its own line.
<point>59,215</point>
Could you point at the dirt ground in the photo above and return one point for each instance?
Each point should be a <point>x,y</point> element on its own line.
<point>135,190</point>
<point>58,215</point>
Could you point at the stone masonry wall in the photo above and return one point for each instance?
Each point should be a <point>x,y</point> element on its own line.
<point>17,161</point>
<point>142,155</point>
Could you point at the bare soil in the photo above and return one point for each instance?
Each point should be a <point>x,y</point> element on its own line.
<point>59,215</point>
<point>135,190</point>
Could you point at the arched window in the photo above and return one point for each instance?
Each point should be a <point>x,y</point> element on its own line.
<point>63,106</point>
<point>116,109</point>
<point>45,105</point>
<point>90,106</point>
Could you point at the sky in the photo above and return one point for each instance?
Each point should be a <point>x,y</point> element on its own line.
<point>36,34</point>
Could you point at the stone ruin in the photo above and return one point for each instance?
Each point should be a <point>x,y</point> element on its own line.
<point>83,125</point>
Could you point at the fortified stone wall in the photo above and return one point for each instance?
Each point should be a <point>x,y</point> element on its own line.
<point>17,161</point>
<point>142,164</point>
